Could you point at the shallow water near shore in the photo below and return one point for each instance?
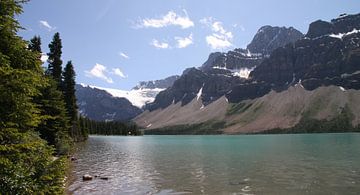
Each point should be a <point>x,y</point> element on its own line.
<point>238,164</point>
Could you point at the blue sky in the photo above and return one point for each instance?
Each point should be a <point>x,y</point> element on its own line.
<point>117,43</point>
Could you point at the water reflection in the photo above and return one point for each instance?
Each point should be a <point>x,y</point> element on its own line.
<point>273,164</point>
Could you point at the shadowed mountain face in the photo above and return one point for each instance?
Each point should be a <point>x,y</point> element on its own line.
<point>330,58</point>
<point>329,55</point>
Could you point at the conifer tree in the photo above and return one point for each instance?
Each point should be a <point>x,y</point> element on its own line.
<point>26,165</point>
<point>54,60</point>
<point>69,90</point>
<point>55,127</point>
<point>35,44</point>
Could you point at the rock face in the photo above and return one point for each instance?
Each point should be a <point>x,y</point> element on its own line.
<point>324,57</point>
<point>236,59</point>
<point>207,86</point>
<point>162,84</point>
<point>269,38</point>
<point>343,24</point>
<point>99,105</point>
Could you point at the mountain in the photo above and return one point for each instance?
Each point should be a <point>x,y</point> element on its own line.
<point>267,39</point>
<point>99,105</point>
<point>328,55</point>
<point>222,71</point>
<point>310,84</point>
<point>160,84</point>
<point>327,108</point>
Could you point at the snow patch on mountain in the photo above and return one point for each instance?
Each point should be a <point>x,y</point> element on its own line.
<point>242,72</point>
<point>138,97</point>
<point>198,96</point>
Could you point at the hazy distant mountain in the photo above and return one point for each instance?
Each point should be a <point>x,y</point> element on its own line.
<point>99,105</point>
<point>313,82</point>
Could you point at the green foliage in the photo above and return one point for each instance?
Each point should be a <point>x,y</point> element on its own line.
<point>54,60</point>
<point>17,88</point>
<point>207,128</point>
<point>27,166</point>
<point>29,102</point>
<point>56,124</point>
<point>35,44</point>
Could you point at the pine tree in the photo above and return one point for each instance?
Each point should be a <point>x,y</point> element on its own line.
<point>69,91</point>
<point>35,44</point>
<point>54,60</point>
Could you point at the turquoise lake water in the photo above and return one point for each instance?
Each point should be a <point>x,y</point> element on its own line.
<point>237,164</point>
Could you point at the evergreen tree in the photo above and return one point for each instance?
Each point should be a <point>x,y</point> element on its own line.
<point>26,165</point>
<point>35,44</point>
<point>54,60</point>
<point>69,91</point>
<point>55,127</point>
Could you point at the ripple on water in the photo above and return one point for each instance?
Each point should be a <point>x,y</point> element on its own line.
<point>219,165</point>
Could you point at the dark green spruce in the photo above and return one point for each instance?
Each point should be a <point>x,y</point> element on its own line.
<point>69,90</point>
<point>54,60</point>
<point>55,127</point>
<point>35,44</point>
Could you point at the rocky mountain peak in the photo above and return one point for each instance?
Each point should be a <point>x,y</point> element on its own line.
<point>269,38</point>
<point>264,42</point>
<point>343,24</point>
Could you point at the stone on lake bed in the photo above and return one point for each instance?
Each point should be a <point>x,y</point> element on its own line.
<point>87,177</point>
<point>104,178</point>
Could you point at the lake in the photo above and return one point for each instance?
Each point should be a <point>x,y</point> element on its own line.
<point>220,164</point>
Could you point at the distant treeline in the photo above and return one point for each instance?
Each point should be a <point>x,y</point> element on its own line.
<point>109,127</point>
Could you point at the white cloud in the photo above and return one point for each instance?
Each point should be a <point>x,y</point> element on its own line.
<point>183,42</point>
<point>99,71</point>
<point>160,45</point>
<point>118,72</point>
<point>124,55</point>
<point>217,42</point>
<point>44,57</point>
<point>171,18</point>
<point>45,24</point>
<point>220,38</point>
<point>241,27</point>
